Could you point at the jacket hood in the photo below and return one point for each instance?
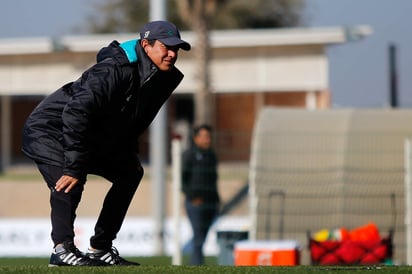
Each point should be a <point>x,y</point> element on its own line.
<point>113,50</point>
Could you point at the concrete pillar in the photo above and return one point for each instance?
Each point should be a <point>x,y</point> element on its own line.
<point>5,158</point>
<point>158,151</point>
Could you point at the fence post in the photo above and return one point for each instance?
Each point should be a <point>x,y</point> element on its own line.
<point>408,201</point>
<point>176,189</point>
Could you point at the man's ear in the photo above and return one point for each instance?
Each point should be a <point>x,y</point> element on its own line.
<point>144,43</point>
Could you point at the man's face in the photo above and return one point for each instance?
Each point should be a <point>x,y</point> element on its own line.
<point>203,139</point>
<point>164,57</point>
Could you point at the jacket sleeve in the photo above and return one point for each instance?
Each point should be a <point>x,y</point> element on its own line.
<point>91,95</point>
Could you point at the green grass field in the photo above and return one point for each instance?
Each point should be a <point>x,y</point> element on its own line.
<point>163,265</point>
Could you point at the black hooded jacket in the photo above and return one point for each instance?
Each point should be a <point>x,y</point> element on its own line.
<point>102,113</point>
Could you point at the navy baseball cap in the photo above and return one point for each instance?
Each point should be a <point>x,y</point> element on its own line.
<point>165,32</point>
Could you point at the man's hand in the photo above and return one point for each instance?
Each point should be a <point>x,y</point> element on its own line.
<point>66,182</point>
<point>197,201</point>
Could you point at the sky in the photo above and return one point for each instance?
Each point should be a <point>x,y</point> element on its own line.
<point>359,71</point>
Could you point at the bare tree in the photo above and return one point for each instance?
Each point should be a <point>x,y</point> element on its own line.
<point>114,16</point>
<point>241,14</point>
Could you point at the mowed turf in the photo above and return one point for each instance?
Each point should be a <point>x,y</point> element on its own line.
<point>163,265</point>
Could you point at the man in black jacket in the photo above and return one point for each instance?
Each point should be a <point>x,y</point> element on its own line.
<point>91,126</point>
<point>199,183</point>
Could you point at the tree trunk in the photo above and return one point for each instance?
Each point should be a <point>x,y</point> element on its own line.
<point>197,14</point>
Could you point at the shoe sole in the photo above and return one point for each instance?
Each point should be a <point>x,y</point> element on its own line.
<point>56,265</point>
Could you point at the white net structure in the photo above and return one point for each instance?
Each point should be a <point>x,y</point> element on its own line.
<point>311,170</point>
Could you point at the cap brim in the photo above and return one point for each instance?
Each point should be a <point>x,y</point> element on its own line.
<point>175,42</point>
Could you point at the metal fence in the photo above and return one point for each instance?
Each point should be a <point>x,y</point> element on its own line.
<point>312,170</point>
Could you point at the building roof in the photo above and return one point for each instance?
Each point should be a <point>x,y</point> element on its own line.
<point>219,39</point>
<point>272,60</point>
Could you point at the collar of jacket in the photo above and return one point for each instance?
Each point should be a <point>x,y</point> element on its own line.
<point>146,67</point>
<point>136,55</point>
<point>129,47</point>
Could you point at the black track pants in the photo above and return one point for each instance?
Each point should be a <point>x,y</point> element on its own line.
<point>115,205</point>
<point>63,205</point>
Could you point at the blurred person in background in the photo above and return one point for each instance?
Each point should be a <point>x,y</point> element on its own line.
<point>199,185</point>
<point>92,126</point>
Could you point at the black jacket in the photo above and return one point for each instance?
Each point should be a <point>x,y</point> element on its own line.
<point>199,174</point>
<point>102,113</point>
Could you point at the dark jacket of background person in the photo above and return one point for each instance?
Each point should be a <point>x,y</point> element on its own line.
<point>199,174</point>
<point>99,119</point>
